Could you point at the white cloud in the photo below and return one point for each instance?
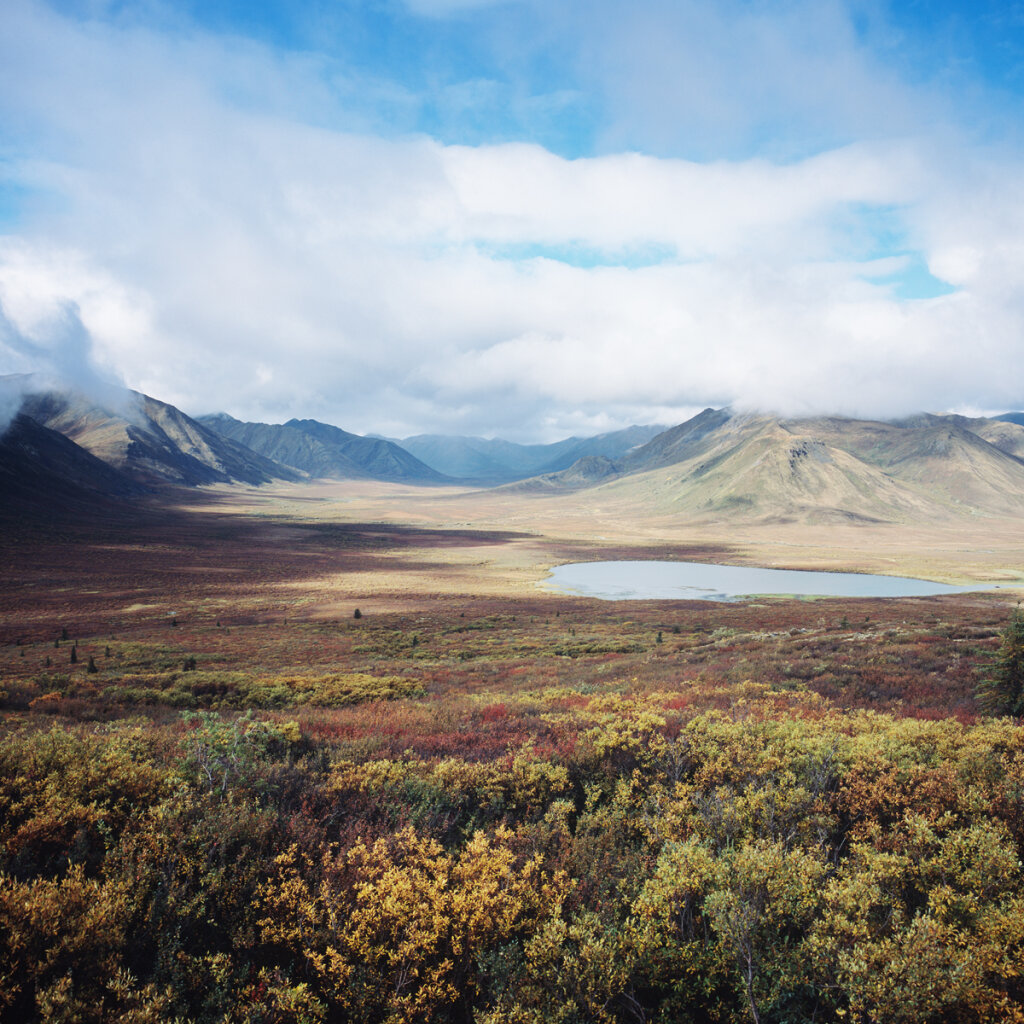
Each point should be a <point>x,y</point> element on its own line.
<point>706,79</point>
<point>226,254</point>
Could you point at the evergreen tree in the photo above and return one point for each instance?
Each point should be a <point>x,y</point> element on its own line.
<point>1001,692</point>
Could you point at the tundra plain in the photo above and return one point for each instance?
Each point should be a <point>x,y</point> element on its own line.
<point>331,752</point>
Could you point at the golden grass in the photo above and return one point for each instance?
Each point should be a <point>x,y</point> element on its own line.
<point>587,525</point>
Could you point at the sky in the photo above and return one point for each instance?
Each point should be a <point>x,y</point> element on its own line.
<point>516,218</point>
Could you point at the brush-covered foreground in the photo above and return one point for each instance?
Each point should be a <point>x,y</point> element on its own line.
<point>218,805</point>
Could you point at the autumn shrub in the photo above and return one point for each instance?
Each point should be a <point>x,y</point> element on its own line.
<point>192,869</point>
<point>394,930</point>
<point>925,925</point>
<point>239,690</point>
<point>65,795</point>
<point>62,942</point>
<point>614,838</point>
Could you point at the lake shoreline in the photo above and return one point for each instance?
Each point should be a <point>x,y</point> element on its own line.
<point>707,581</point>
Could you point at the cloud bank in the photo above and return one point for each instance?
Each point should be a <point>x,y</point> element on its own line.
<point>233,236</point>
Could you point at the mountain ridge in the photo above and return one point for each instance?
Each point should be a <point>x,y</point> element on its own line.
<point>149,440</point>
<point>818,469</point>
<point>324,451</point>
<point>718,465</point>
<point>46,475</point>
<point>495,460</point>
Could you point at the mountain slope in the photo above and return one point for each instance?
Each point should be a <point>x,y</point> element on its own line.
<point>705,432</point>
<point>149,440</point>
<point>322,450</point>
<point>613,446</point>
<point>381,459</point>
<point>287,445</point>
<point>925,468</point>
<point>47,476</point>
<point>476,458</point>
<point>1006,434</point>
<point>946,458</point>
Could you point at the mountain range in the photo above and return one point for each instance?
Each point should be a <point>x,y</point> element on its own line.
<point>493,461</point>
<point>147,440</point>
<point>817,469</point>
<point>64,448</point>
<point>321,450</point>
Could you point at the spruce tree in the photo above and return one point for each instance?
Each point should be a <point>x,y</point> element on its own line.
<point>1001,692</point>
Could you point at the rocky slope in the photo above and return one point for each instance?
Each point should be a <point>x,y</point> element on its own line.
<point>148,440</point>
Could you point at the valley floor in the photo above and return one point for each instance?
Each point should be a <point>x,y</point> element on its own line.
<point>551,529</point>
<point>226,796</point>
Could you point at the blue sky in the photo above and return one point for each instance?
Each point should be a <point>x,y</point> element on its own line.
<point>410,58</point>
<point>518,217</point>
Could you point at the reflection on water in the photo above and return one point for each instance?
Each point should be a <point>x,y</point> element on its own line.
<point>700,581</point>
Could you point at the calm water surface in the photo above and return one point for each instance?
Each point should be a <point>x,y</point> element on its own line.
<point>700,581</point>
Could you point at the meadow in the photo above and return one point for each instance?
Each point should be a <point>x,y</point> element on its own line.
<point>274,758</point>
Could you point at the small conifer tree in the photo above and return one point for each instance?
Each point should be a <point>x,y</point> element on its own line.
<point>74,655</point>
<point>1001,692</point>
<point>357,614</point>
<point>91,667</point>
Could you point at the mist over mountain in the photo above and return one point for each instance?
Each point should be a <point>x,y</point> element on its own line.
<point>493,461</point>
<point>146,439</point>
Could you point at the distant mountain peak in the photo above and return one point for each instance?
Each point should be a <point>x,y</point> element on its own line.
<point>497,461</point>
<point>1012,417</point>
<point>322,450</point>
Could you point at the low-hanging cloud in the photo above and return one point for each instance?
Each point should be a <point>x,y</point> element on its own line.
<point>58,354</point>
<point>226,255</point>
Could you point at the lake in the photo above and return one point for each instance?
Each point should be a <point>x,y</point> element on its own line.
<point>701,581</point>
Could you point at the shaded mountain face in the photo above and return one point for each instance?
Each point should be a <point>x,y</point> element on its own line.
<point>321,450</point>
<point>287,445</point>
<point>495,461</point>
<point>148,440</point>
<point>47,476</point>
<point>817,470</point>
<point>381,459</point>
